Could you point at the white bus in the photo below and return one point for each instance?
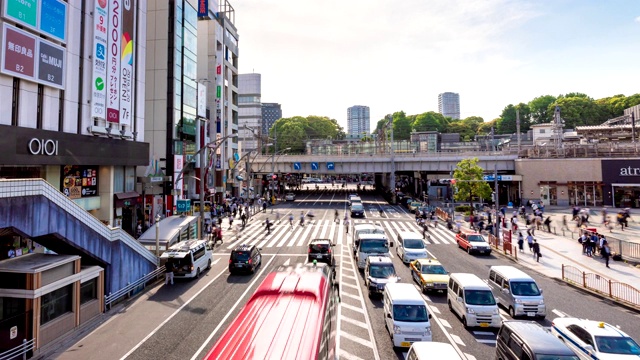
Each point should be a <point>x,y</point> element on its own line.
<point>189,258</point>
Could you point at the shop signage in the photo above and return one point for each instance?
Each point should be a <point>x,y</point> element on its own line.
<point>113,60</point>
<point>203,9</point>
<point>51,64</point>
<point>22,11</point>
<point>80,181</point>
<point>127,61</point>
<point>620,171</point>
<point>13,332</point>
<point>99,75</point>
<point>48,17</point>
<point>43,147</point>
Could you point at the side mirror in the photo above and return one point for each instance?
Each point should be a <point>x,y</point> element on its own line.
<point>399,278</point>
<point>506,291</point>
<point>391,244</point>
<point>541,291</point>
<point>260,249</point>
<point>389,316</point>
<point>332,244</point>
<point>459,299</point>
<point>429,315</point>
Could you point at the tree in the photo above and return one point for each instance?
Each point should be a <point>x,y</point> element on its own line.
<point>539,109</point>
<point>469,182</point>
<point>294,132</point>
<point>506,123</point>
<point>401,126</point>
<point>429,121</point>
<point>579,111</point>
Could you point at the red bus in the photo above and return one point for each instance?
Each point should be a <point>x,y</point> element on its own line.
<point>292,315</point>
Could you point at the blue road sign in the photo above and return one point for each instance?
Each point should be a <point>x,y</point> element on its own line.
<point>183,205</point>
<point>297,166</point>
<point>331,166</point>
<point>314,166</point>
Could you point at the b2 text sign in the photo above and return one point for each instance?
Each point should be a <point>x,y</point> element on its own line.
<point>51,60</point>
<point>18,53</point>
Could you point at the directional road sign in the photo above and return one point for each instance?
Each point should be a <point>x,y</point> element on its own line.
<point>331,166</point>
<point>183,205</point>
<point>314,166</point>
<point>297,166</point>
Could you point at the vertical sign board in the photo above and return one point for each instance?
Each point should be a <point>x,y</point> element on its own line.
<point>203,9</point>
<point>113,63</point>
<point>51,59</point>
<point>53,19</point>
<point>99,75</point>
<point>126,64</point>
<point>202,100</point>
<point>18,53</point>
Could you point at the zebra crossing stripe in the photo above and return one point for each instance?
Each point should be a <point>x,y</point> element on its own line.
<point>310,234</point>
<point>273,234</point>
<point>302,236</point>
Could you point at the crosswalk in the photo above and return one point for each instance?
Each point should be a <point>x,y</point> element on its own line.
<point>283,235</point>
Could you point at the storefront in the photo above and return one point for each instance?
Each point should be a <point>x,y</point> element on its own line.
<point>621,180</point>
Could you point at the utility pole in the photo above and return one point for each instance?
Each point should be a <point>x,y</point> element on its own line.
<point>393,164</point>
<point>518,128</point>
<point>497,198</point>
<point>633,126</point>
<point>273,161</point>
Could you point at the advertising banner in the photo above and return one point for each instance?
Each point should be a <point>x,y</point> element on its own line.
<point>79,181</point>
<point>202,100</point>
<point>51,64</point>
<point>113,63</point>
<point>24,12</point>
<point>178,164</point>
<point>18,53</point>
<point>53,19</point>
<point>99,74</point>
<point>203,8</point>
<point>126,63</point>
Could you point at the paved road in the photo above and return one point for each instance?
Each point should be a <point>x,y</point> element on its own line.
<point>183,321</point>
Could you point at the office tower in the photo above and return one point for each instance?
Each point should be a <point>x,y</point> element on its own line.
<point>449,105</point>
<point>270,113</point>
<point>249,111</point>
<point>358,121</point>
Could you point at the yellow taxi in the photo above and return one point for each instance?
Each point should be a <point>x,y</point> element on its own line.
<point>429,274</point>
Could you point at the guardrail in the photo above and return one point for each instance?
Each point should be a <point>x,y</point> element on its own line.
<point>505,245</point>
<point>128,290</point>
<point>615,290</point>
<point>20,350</point>
<point>629,250</point>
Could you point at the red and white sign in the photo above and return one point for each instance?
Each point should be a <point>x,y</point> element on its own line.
<point>113,61</point>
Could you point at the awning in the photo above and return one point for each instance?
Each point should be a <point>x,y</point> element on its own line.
<point>126,195</point>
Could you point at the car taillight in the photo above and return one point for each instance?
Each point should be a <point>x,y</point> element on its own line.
<point>329,251</point>
<point>230,261</point>
<point>309,250</point>
<point>250,261</point>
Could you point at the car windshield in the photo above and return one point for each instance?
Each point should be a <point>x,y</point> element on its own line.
<point>413,244</point>
<point>556,357</point>
<point>524,288</point>
<point>410,313</point>
<point>479,297</point>
<point>617,345</point>
<point>475,238</point>
<point>382,271</point>
<point>240,256</point>
<point>319,248</point>
<point>434,269</point>
<point>373,246</point>
<point>356,206</point>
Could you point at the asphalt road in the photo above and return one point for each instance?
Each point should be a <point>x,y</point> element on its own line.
<point>195,322</point>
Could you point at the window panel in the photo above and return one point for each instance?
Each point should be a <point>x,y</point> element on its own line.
<point>89,291</point>
<point>118,179</point>
<point>56,304</point>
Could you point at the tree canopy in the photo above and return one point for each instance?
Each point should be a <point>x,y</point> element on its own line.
<point>295,131</point>
<point>469,183</point>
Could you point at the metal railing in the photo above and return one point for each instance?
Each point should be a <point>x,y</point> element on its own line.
<point>20,350</point>
<point>629,250</point>
<point>506,247</point>
<point>127,291</point>
<point>615,290</point>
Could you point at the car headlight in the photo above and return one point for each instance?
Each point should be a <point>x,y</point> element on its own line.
<point>495,312</point>
<point>541,302</point>
<point>396,329</point>
<point>518,301</point>
<point>427,331</point>
<point>470,311</point>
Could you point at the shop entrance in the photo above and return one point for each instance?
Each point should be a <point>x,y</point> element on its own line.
<point>626,196</point>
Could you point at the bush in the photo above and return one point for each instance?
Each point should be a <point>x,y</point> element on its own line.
<point>463,209</point>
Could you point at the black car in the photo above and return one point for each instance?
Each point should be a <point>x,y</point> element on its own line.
<point>357,210</point>
<point>245,258</point>
<point>320,250</point>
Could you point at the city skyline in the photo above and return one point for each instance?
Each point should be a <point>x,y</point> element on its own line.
<point>498,53</point>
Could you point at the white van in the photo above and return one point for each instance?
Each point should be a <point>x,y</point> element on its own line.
<point>367,228</point>
<point>424,350</point>
<point>406,314</point>
<point>517,292</point>
<point>189,258</point>
<point>371,245</point>
<point>472,299</point>
<point>410,246</point>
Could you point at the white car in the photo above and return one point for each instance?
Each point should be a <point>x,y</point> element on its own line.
<point>591,339</point>
<point>290,197</point>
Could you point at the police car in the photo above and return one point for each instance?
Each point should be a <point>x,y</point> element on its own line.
<point>591,339</point>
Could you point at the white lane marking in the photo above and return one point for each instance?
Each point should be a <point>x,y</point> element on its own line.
<point>457,340</point>
<point>286,263</point>
<point>503,314</point>
<point>469,356</point>
<point>303,236</point>
<point>446,333</point>
<point>493,342</point>
<point>172,315</point>
<point>357,339</point>
<point>351,286</point>
<point>354,322</point>
<point>351,307</point>
<point>436,310</point>
<point>350,295</point>
<point>445,323</point>
<point>273,235</point>
<point>345,355</point>
<point>484,333</point>
<point>286,230</point>
<point>349,276</point>
<point>213,333</point>
<point>559,313</point>
<point>215,261</point>
<point>296,233</point>
<point>266,254</point>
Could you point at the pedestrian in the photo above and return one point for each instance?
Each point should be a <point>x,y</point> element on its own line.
<point>230,221</point>
<point>168,273</point>
<point>301,218</point>
<point>536,250</point>
<point>267,225</point>
<point>264,206</point>
<point>243,217</point>
<point>564,223</point>
<point>219,235</point>
<point>346,224</point>
<point>606,252</point>
<point>520,241</point>
<point>530,241</point>
<point>547,223</point>
<point>291,220</point>
<point>336,216</point>
<point>139,229</point>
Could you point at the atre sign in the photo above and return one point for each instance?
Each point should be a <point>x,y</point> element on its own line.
<point>43,147</point>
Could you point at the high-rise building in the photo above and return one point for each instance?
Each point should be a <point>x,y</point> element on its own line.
<point>249,110</point>
<point>358,121</point>
<point>449,105</point>
<point>270,113</point>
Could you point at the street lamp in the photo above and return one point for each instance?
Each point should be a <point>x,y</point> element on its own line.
<point>393,163</point>
<point>158,235</point>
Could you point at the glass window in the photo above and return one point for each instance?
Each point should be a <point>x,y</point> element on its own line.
<point>199,253</point>
<point>382,271</point>
<point>118,179</point>
<point>373,246</point>
<point>479,297</point>
<point>413,244</point>
<point>190,69</point>
<point>190,41</point>
<point>434,269</point>
<point>617,345</point>
<point>410,313</point>
<point>130,178</point>
<point>522,288</point>
<point>10,307</point>
<point>190,94</point>
<point>516,347</point>
<point>56,304</point>
<point>190,17</point>
<point>89,291</point>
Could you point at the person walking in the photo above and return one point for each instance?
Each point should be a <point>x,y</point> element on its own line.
<point>336,217</point>
<point>346,223</point>
<point>530,241</point>
<point>264,206</point>
<point>564,223</point>
<point>168,273</point>
<point>520,241</point>
<point>536,250</point>
<point>301,218</point>
<point>291,220</point>
<point>547,223</point>
<point>230,221</point>
<point>606,252</point>
<point>243,217</point>
<point>267,226</point>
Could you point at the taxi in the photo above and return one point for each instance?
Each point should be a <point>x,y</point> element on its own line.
<point>429,274</point>
<point>591,339</point>
<point>473,242</point>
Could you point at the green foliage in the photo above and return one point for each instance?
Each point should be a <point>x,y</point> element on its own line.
<point>539,109</point>
<point>469,183</point>
<point>295,131</point>
<point>506,123</point>
<point>579,111</point>
<point>463,209</point>
<point>401,126</point>
<point>429,121</point>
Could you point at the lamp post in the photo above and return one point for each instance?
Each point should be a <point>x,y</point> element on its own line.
<point>158,235</point>
<point>393,163</point>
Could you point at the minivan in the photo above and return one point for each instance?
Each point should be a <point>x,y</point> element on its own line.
<point>378,272</point>
<point>189,258</point>
<point>358,229</point>
<point>406,315</point>
<point>425,350</point>
<point>472,300</point>
<point>410,247</point>
<point>517,292</point>
<point>371,245</point>
<point>529,340</point>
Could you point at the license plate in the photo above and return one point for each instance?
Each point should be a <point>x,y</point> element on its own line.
<point>405,344</point>
<point>238,265</point>
<point>318,256</point>
<point>531,314</point>
<point>484,324</point>
<point>481,251</point>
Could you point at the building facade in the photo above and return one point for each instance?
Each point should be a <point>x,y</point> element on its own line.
<point>270,113</point>
<point>250,110</point>
<point>449,104</point>
<point>358,120</point>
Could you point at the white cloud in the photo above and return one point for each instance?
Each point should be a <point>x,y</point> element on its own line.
<point>638,19</point>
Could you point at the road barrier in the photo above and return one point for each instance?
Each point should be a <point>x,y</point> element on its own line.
<point>132,288</point>
<point>629,250</point>
<point>615,290</point>
<point>19,351</point>
<point>504,245</point>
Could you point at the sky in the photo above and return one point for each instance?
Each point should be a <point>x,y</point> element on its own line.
<point>319,57</point>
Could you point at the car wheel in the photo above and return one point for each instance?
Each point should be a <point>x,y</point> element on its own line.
<point>198,273</point>
<point>253,270</point>
<point>469,250</point>
<point>449,305</point>
<point>512,312</point>
<point>208,264</point>
<point>464,322</point>
<point>424,288</point>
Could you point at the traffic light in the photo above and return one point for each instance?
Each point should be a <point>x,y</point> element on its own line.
<point>453,181</point>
